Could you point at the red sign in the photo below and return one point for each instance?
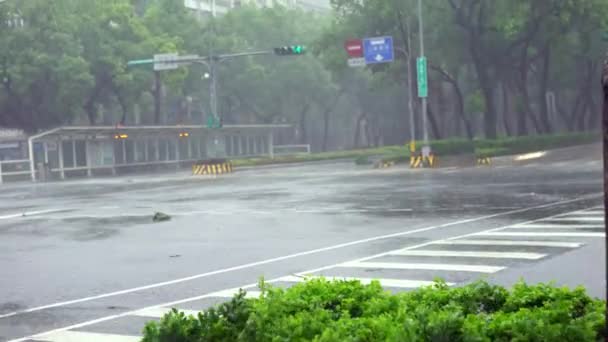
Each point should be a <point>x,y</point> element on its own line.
<point>354,47</point>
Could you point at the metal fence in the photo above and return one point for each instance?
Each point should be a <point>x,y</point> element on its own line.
<point>10,168</point>
<point>286,150</point>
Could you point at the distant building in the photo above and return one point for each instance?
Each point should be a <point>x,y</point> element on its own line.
<point>218,7</point>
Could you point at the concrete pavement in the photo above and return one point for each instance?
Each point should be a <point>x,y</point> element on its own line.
<point>86,258</point>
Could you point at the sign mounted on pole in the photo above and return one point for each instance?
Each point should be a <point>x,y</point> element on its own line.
<point>165,61</point>
<point>354,48</point>
<point>423,87</point>
<point>378,50</point>
<point>356,62</point>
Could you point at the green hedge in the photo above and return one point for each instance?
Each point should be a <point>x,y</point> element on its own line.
<point>318,310</point>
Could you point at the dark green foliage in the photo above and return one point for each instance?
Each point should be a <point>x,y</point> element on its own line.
<point>362,160</point>
<point>319,310</point>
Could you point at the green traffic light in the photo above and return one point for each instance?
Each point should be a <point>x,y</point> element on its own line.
<point>297,49</point>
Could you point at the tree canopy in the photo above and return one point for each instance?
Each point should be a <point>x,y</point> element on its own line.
<point>496,67</point>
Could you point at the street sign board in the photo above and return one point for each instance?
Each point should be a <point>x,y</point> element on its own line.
<point>356,62</point>
<point>378,50</point>
<point>423,88</point>
<point>354,48</point>
<point>161,61</point>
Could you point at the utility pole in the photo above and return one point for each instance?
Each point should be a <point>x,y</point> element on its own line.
<point>157,96</point>
<point>410,101</point>
<point>423,99</point>
<point>213,88</point>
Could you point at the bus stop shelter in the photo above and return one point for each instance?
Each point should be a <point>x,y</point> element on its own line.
<point>89,150</point>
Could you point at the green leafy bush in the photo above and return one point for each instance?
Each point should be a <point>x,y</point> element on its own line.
<point>362,160</point>
<point>319,310</point>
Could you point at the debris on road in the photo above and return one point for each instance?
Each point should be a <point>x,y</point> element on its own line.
<point>160,217</point>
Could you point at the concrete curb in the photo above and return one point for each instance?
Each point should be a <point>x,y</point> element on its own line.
<point>295,164</point>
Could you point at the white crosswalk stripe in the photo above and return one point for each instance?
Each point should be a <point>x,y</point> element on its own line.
<point>232,292</point>
<point>580,219</point>
<point>539,243</point>
<point>432,267</point>
<point>81,336</point>
<point>587,212</point>
<point>528,234</point>
<point>557,226</point>
<point>471,254</point>
<point>398,283</point>
<point>160,312</point>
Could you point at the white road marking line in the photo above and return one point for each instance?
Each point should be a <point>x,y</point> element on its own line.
<point>383,281</point>
<point>80,336</point>
<point>231,293</point>
<point>557,226</point>
<point>31,213</point>
<point>581,219</point>
<point>162,311</point>
<point>195,298</point>
<point>588,212</point>
<point>564,234</point>
<point>290,256</point>
<point>471,254</point>
<point>510,243</point>
<point>417,266</point>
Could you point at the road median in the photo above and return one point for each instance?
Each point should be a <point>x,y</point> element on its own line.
<point>448,152</point>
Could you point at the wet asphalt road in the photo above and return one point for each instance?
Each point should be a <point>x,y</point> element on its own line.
<point>87,249</point>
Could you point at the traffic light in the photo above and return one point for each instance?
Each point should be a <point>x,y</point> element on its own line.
<point>293,50</point>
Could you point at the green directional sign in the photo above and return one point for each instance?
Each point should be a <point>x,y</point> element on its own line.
<point>423,86</point>
<point>140,62</point>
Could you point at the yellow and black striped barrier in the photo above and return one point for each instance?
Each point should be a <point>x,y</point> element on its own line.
<point>420,161</point>
<point>415,162</point>
<point>204,169</point>
<point>484,161</point>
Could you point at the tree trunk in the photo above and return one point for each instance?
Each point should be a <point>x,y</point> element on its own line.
<point>487,88</point>
<point>325,130</point>
<point>542,100</point>
<point>505,110</point>
<point>358,130</point>
<point>592,122</point>
<point>433,123</point>
<point>123,106</point>
<point>328,111</point>
<point>523,88</point>
<point>459,99</point>
<point>302,124</point>
<point>89,106</point>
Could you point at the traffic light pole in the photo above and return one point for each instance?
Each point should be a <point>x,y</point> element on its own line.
<point>211,62</point>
